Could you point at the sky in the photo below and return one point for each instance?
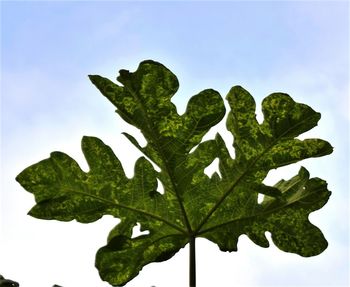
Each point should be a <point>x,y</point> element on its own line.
<point>47,103</point>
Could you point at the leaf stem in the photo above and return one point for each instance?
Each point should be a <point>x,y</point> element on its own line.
<point>193,261</point>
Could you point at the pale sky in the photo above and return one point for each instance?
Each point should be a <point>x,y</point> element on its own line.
<point>47,103</point>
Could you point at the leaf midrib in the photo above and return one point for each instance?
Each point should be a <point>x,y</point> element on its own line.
<point>139,102</point>
<point>265,212</point>
<point>117,204</point>
<point>232,187</point>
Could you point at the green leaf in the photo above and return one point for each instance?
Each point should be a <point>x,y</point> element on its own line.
<point>220,208</point>
<point>286,219</point>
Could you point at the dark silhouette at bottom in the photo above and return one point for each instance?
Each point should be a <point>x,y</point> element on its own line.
<point>7,283</point>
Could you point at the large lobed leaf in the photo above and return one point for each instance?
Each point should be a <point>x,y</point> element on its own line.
<point>219,208</point>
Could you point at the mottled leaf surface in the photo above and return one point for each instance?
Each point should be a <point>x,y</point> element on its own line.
<point>220,208</point>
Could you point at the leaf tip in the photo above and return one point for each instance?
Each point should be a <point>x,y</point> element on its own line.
<point>94,78</point>
<point>303,172</point>
<point>18,178</point>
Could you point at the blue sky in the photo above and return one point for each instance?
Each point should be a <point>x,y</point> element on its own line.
<point>47,103</point>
